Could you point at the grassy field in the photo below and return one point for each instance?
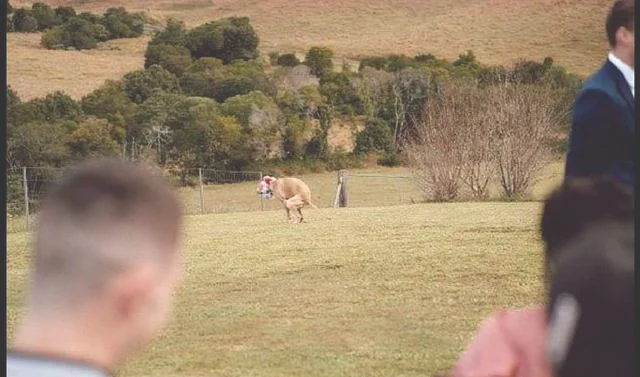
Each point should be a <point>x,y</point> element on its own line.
<point>370,290</point>
<point>498,31</point>
<point>388,291</point>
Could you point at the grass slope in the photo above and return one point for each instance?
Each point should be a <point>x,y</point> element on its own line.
<point>498,31</point>
<point>354,292</point>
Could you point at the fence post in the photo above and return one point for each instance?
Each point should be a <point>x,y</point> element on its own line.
<point>343,188</point>
<point>336,198</point>
<point>25,185</point>
<point>201,190</point>
<point>261,198</point>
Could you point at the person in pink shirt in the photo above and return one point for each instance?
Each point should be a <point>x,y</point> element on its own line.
<point>511,343</point>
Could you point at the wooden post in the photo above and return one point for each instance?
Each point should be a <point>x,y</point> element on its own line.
<point>26,198</point>
<point>343,188</point>
<point>201,190</point>
<point>336,198</point>
<point>261,198</point>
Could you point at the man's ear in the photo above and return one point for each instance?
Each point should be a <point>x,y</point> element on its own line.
<point>131,292</point>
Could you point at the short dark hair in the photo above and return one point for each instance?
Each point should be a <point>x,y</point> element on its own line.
<point>595,280</point>
<point>97,220</point>
<point>621,14</point>
<point>579,202</point>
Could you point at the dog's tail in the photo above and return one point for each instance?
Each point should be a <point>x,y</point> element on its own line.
<point>311,204</point>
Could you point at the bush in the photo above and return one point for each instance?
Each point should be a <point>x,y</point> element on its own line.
<point>376,62</point>
<point>375,137</point>
<point>52,38</point>
<point>273,57</point>
<point>389,159</point>
<point>288,60</point>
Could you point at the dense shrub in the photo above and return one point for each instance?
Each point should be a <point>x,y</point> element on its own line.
<point>375,137</point>
<point>288,60</point>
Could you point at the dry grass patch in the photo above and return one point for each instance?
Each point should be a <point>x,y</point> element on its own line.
<point>34,71</point>
<point>498,31</point>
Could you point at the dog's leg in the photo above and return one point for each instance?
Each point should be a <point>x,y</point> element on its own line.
<point>300,213</point>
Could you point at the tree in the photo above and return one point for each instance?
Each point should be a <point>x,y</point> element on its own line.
<point>227,39</point>
<point>92,138</point>
<point>45,15</point>
<point>122,24</point>
<point>173,58</point>
<point>174,34</point>
<point>261,121</point>
<point>151,125</point>
<point>24,22</point>
<point>340,90</point>
<point>59,106</point>
<point>319,59</point>
<point>408,91</point>
<point>77,32</point>
<point>37,144</point>
<point>65,13</point>
<point>201,135</point>
<point>525,120</point>
<point>110,102</point>
<point>140,84</point>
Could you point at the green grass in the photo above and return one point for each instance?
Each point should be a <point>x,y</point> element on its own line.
<point>387,291</point>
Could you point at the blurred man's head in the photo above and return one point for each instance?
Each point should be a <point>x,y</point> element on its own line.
<point>579,202</point>
<point>591,305</point>
<point>621,30</point>
<point>106,257</point>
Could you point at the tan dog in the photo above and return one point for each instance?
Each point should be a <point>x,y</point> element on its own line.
<point>292,192</point>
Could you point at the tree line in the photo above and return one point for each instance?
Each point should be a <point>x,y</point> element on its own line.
<point>63,27</point>
<point>206,99</point>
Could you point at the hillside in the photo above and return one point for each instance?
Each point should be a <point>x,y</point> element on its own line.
<point>498,31</point>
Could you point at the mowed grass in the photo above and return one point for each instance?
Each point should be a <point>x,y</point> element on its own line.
<point>498,32</point>
<point>387,291</point>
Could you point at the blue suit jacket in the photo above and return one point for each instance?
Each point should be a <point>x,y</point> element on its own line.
<point>602,139</point>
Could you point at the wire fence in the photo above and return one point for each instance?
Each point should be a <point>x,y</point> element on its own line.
<point>217,191</point>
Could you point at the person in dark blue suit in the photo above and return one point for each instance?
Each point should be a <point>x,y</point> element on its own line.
<point>602,140</point>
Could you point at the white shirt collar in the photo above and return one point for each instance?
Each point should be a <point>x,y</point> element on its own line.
<point>627,71</point>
